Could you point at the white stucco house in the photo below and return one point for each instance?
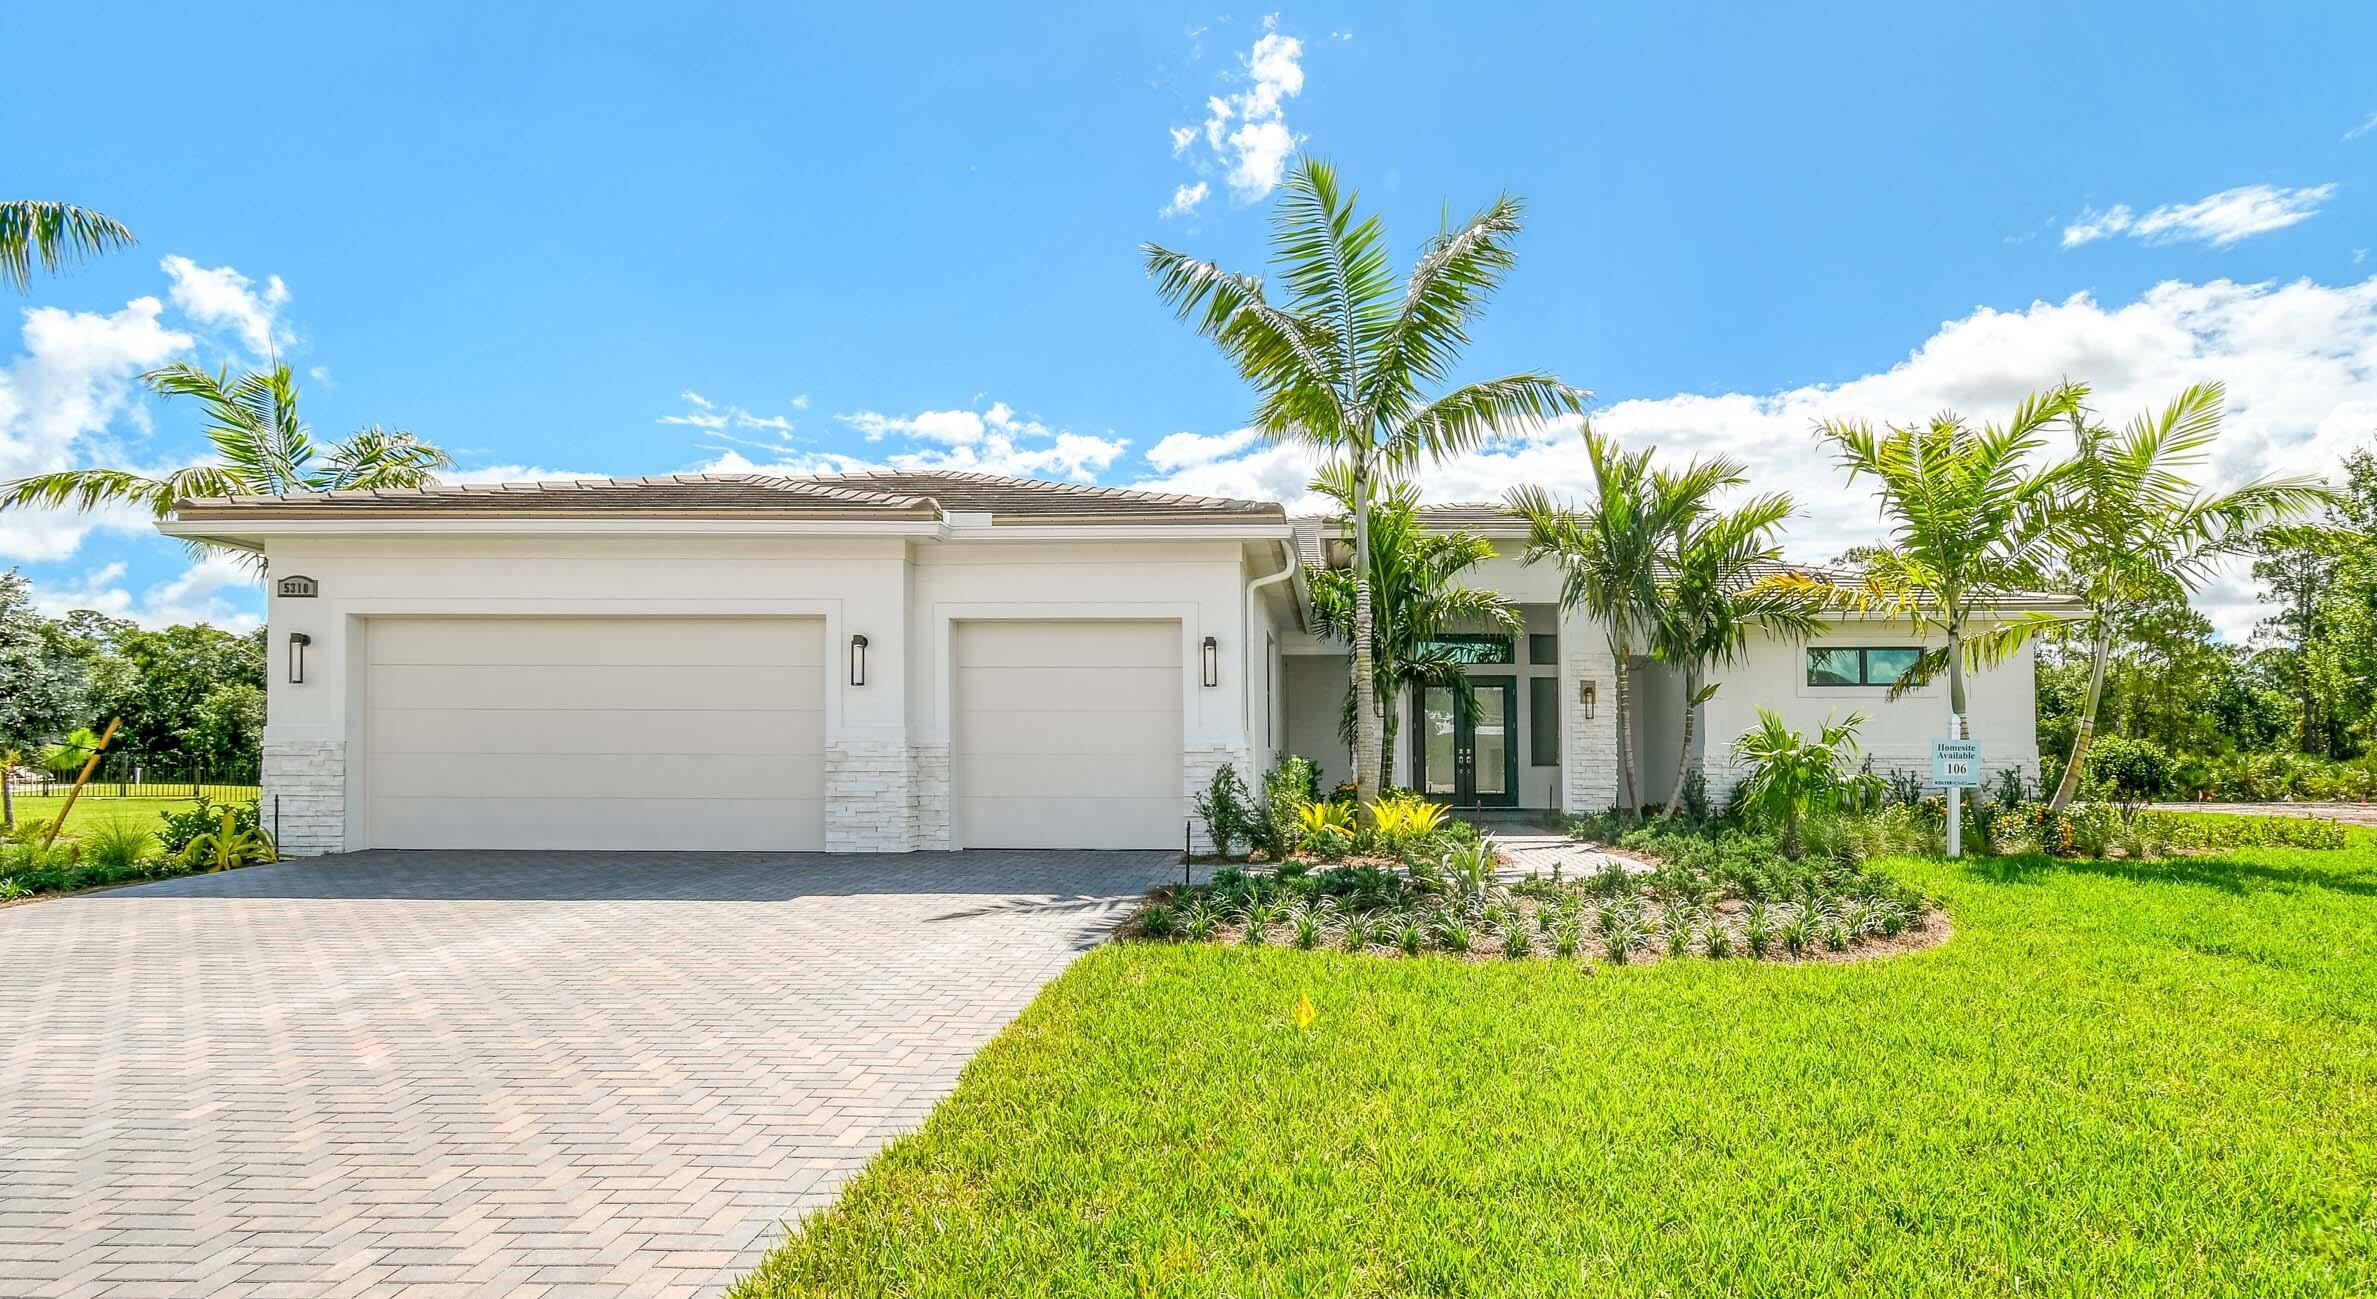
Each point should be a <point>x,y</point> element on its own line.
<point>911,661</point>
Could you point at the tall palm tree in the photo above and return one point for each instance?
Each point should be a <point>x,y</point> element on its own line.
<point>2134,522</point>
<point>1416,596</point>
<point>264,449</point>
<point>1713,595</point>
<point>1971,532</point>
<point>52,234</point>
<point>1343,364</point>
<point>1609,555</point>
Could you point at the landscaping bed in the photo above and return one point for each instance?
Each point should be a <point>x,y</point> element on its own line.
<point>188,836</point>
<point>2122,1078</point>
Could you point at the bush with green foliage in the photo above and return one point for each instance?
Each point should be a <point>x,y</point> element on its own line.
<point>1222,806</point>
<point>203,816</point>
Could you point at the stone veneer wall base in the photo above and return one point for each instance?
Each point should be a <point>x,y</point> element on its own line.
<point>869,797</point>
<point>305,795</point>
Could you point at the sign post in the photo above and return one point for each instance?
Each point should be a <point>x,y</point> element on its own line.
<point>1956,767</point>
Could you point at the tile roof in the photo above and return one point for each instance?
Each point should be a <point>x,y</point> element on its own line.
<point>883,495</point>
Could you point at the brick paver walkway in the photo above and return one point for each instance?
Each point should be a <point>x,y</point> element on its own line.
<point>555,1074</point>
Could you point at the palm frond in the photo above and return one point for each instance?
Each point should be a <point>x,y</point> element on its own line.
<point>52,235</point>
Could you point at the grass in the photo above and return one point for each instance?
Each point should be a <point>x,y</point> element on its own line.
<point>90,813</point>
<point>2158,1079</point>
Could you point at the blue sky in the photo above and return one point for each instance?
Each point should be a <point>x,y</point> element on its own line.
<point>861,233</point>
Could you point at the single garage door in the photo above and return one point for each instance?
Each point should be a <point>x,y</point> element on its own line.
<point>1067,734</point>
<point>631,733</point>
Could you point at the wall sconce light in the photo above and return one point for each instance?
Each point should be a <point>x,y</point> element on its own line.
<point>297,642</point>
<point>1587,695</point>
<point>858,660</point>
<point>1213,662</point>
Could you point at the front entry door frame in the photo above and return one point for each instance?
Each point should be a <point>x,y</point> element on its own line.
<point>1463,783</point>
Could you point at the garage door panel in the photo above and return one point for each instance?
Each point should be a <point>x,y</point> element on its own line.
<point>1072,822</point>
<point>1085,775</point>
<point>687,689</point>
<point>1067,734</point>
<point>1022,732</point>
<point>624,824</point>
<point>1069,690</point>
<point>600,642</point>
<point>593,733</point>
<point>689,777</point>
<point>1070,644</point>
<point>597,730</point>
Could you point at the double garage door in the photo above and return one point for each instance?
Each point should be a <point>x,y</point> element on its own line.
<point>709,734</point>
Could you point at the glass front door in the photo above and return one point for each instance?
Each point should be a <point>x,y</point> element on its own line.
<point>1467,750</point>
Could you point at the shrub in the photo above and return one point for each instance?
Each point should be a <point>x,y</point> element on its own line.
<point>203,816</point>
<point>1450,929</point>
<point>1675,929</point>
<point>1223,809</point>
<point>116,846</point>
<point>2127,770</point>
<point>1156,921</point>
<point>1517,940</point>
<point>1307,921</point>
<point>1622,930</point>
<point>1408,933</point>
<point>1277,828</point>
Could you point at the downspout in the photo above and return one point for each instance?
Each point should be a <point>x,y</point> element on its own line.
<point>1246,637</point>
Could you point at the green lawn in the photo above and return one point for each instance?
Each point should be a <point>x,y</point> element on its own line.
<point>2159,1080</point>
<point>92,812</point>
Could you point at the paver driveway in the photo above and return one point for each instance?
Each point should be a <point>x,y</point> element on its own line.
<point>494,1073</point>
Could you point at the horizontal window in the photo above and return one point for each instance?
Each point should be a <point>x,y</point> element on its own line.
<point>1861,666</point>
<point>1467,647</point>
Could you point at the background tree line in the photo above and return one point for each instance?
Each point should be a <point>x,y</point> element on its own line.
<point>191,697</point>
<point>2292,712</point>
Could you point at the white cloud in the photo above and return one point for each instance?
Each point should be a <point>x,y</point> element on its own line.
<point>218,589</point>
<point>1185,200</point>
<point>1246,133</point>
<point>2363,129</point>
<point>800,401</point>
<point>997,441</point>
<point>77,375</point>
<point>2299,359</point>
<point>712,417</point>
<point>221,296</point>
<point>2219,220</point>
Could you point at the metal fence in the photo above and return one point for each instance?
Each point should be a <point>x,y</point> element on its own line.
<point>134,775</point>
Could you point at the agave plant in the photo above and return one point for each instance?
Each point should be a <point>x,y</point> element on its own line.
<point>228,846</point>
<point>1470,866</point>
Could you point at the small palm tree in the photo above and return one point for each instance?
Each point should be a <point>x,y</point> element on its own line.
<point>2134,522</point>
<point>1793,777</point>
<point>1343,364</point>
<point>1971,524</point>
<point>264,449</point>
<point>1416,596</point>
<point>53,234</point>
<point>1713,596</point>
<point>1609,556</point>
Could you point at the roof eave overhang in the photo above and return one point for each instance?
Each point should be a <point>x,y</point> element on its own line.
<point>251,531</point>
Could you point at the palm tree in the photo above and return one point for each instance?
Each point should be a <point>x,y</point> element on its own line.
<point>53,234</point>
<point>1971,524</point>
<point>1713,597</point>
<point>1792,776</point>
<point>1342,365</point>
<point>264,449</point>
<point>1609,557</point>
<point>2134,522</point>
<point>1415,597</point>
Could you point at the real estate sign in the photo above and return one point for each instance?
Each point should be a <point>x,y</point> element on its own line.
<point>1956,764</point>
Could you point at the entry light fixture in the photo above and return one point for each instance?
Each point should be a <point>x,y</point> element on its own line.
<point>297,642</point>
<point>858,660</point>
<point>1213,662</point>
<point>1587,695</point>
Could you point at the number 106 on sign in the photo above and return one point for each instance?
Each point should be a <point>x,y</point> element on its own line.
<point>1956,764</point>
